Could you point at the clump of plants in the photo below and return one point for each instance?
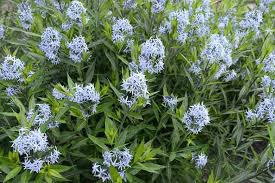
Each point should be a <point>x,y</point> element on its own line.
<point>137,91</point>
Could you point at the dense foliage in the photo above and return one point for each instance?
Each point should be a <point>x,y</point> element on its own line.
<point>137,91</point>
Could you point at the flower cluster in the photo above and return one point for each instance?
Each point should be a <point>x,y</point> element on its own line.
<point>152,56</point>
<point>29,141</point>
<point>116,158</point>
<point>121,30</point>
<point>231,75</point>
<point>196,118</point>
<point>264,110</point>
<point>11,69</point>
<point>41,4</point>
<point>81,94</point>
<point>50,44</point>
<point>203,16</point>
<point>58,4</point>
<point>252,21</point>
<point>195,67</point>
<point>33,144</point>
<point>218,50</point>
<point>43,114</point>
<point>40,115</point>
<point>77,47</point>
<point>11,91</point>
<point>269,63</point>
<point>129,45</point>
<point>223,21</point>
<point>74,12</point>
<point>129,4</point>
<point>191,23</point>
<point>157,5</point>
<point>25,15</point>
<point>135,87</point>
<point>170,102</point>
<point>264,5</point>
<point>58,95</point>
<point>2,31</point>
<point>182,18</point>
<point>85,94</point>
<point>200,160</point>
<point>268,85</point>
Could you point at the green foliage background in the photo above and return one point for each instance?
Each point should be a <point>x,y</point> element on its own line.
<point>162,147</point>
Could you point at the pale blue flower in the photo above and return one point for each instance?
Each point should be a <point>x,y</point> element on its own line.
<point>157,5</point>
<point>81,94</point>
<point>252,21</point>
<point>231,75</point>
<point>77,48</point>
<point>269,63</point>
<point>25,14</point>
<point>265,110</point>
<point>166,28</point>
<point>196,118</point>
<point>85,94</point>
<point>30,141</point>
<point>101,172</point>
<point>170,102</point>
<point>116,158</point>
<point>218,50</point>
<point>53,156</point>
<point>50,44</point>
<point>195,68</point>
<point>129,46</point>
<point>129,4</point>
<point>121,29</point>
<point>58,95</point>
<point>135,86</point>
<point>11,91</point>
<point>58,4</point>
<point>11,69</point>
<point>200,160</point>
<point>152,56</point>
<point>33,165</point>
<point>2,31</point>
<point>264,5</point>
<point>74,12</point>
<point>266,81</point>
<point>42,114</point>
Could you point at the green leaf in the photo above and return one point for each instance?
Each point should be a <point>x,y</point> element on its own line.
<point>48,179</point>
<point>110,130</point>
<point>139,151</point>
<point>25,32</point>
<point>25,177</point>
<point>115,90</point>
<point>115,175</point>
<point>13,173</point>
<point>121,139</point>
<point>70,82</point>
<point>60,168</point>
<point>56,174</point>
<point>271,132</point>
<point>211,178</point>
<point>98,142</point>
<point>149,167</point>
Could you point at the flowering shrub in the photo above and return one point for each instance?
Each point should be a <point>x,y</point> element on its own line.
<point>137,91</point>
